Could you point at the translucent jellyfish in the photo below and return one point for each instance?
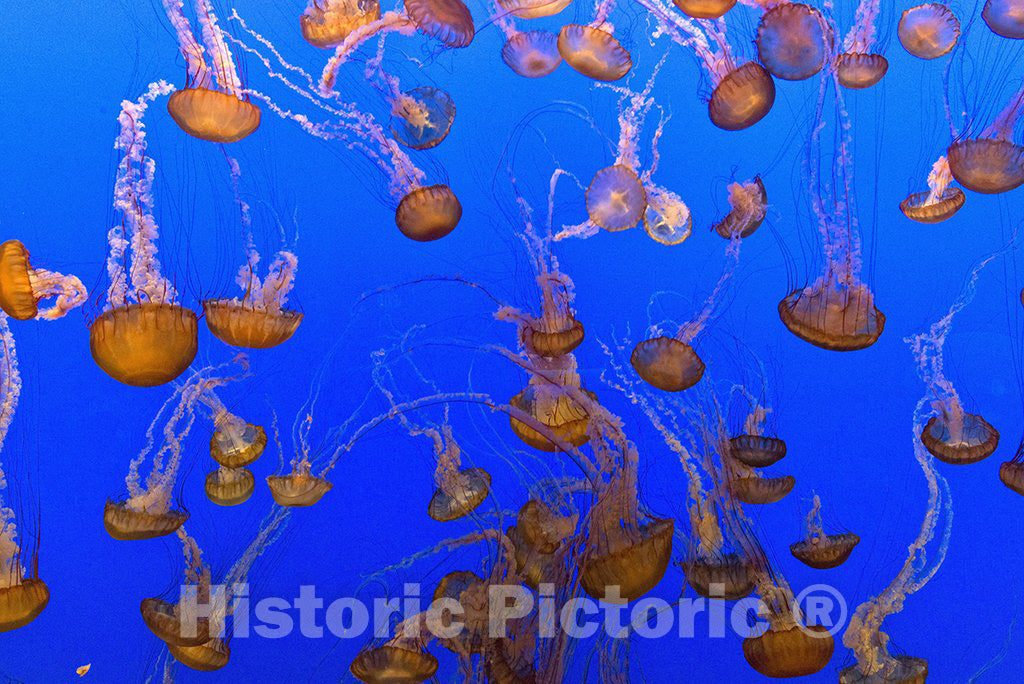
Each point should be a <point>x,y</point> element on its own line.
<point>447,20</point>
<point>549,404</point>
<point>757,489</point>
<point>615,198</point>
<point>326,23</point>
<point>593,52</point>
<point>532,54</point>
<point>143,337</point>
<point>756,451</point>
<point>1011,473</point>
<point>748,205</point>
<point>992,162</point>
<point>299,487</point>
<point>742,97</point>
<point>229,486</point>
<point>202,110</point>
<point>793,41</point>
<point>259,318</point>
<point>174,623</point>
<point>235,443</point>
<point>794,652</point>
<point>667,219</point>
<point>1004,17</point>
<point>543,527</point>
<point>928,31</point>
<point>819,550</point>
<point>532,9</point>
<point>22,287</point>
<point>428,213</point>
<point>422,117</point>
<point>396,663</point>
<point>704,9</point>
<point>858,66</point>
<point>940,202</point>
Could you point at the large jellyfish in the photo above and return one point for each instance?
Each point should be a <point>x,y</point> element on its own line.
<point>941,200</point>
<point>858,66</point>
<point>991,163</point>
<point>23,287</point>
<point>1005,18</point>
<point>326,23</point>
<point>794,41</point>
<point>259,319</point>
<point>592,50</point>
<point>928,31</point>
<point>820,550</point>
<point>213,105</point>
<point>143,337</point>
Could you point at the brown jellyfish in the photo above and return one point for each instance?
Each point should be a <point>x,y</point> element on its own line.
<point>544,528</point>
<point>756,451</point>
<point>393,663</point>
<point>1005,18</point>
<point>755,489</point>
<point>833,317</point>
<point>532,54</point>
<point>235,443</point>
<point>234,322</point>
<point>667,363</point>
<point>124,523</point>
<point>532,566</point>
<point>959,438</point>
<point>299,487</point>
<point>207,657</point>
<point>532,9</point>
<point>898,670</point>
<point>471,592</point>
<point>748,205</point>
<point>727,576</point>
<point>594,53</point>
<point>553,343</point>
<point>459,490</point>
<point>615,198</point>
<point>166,621</point>
<point>819,550</point>
<point>213,115</point>
<point>941,200</point>
<point>447,20</point>
<point>794,652</point>
<point>22,287</point>
<point>552,406</point>
<point>704,9</point>
<point>928,31</point>
<point>742,98</point>
<point>21,601</point>
<point>326,23</point>
<point>857,70</point>
<point>145,344</point>
<point>987,165</point>
<point>229,486</point>
<point>635,567</point>
<point>556,332</point>
<point>428,213</point>
<point>793,41</point>
<point>1011,473</point>
<point>422,117</point>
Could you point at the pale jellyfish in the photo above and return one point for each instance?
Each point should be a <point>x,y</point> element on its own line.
<point>259,318</point>
<point>326,23</point>
<point>1005,18</point>
<point>182,623</point>
<point>213,105</point>
<point>928,31</point>
<point>234,445</point>
<point>858,66</point>
<point>532,54</point>
<point>820,550</point>
<point>143,337</point>
<point>794,40</point>
<point>592,50</point>
<point>22,287</point>
<point>529,9</point>
<point>748,206</point>
<point>941,200</point>
<point>991,163</point>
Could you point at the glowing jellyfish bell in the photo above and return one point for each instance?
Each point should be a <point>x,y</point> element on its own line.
<point>299,487</point>
<point>742,97</point>
<point>748,204</point>
<point>326,23</point>
<point>616,199</point>
<point>393,662</point>
<point>959,438</point>
<point>858,66</point>
<point>1005,18</point>
<point>22,287</point>
<point>667,219</point>
<point>422,117</point>
<point>428,213</point>
<point>667,363</point>
<point>229,486</point>
<point>447,20</point>
<point>459,490</point>
<point>532,54</point>
<point>940,202</point>
<point>991,163</point>
<point>704,9</point>
<point>928,31</point>
<point>793,41</point>
<point>593,52</point>
<point>819,550</point>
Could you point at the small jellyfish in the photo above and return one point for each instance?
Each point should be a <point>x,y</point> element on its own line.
<point>165,620</point>
<point>819,550</point>
<point>704,9</point>
<point>726,576</point>
<point>748,204</point>
<point>124,523</point>
<point>532,9</point>
<point>756,451</point>
<point>895,670</point>
<point>755,489</point>
<point>326,23</point>
<point>667,219</point>
<point>1011,473</point>
<point>229,486</point>
<point>299,487</point>
<point>793,41</point>
<point>393,663</point>
<point>959,438</point>
<point>857,70</point>
<point>422,117</point>
<point>207,657</point>
<point>22,287</point>
<point>459,490</point>
<point>532,54</point>
<point>553,343</point>
<point>742,97</point>
<point>1005,18</point>
<point>428,213</point>
<point>616,200</point>
<point>928,31</point>
<point>940,202</point>
<point>447,20</point>
<point>667,363</point>
<point>795,652</point>
<point>235,443</point>
<point>594,53</point>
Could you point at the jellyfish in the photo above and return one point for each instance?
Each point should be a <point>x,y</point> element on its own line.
<point>213,104</point>
<point>793,40</point>
<point>447,20</point>
<point>393,663</point>
<point>143,337</point>
<point>748,205</point>
<point>259,319</point>
<point>592,50</point>
<point>229,486</point>
<point>23,287</point>
<point>533,54</point>
<point>858,66</point>
<point>940,202</point>
<point>174,623</point>
<point>422,117</point>
<point>819,550</point>
<point>326,23</point>
<point>704,9</point>
<point>234,443</point>
<point>531,9</point>
<point>928,31</point>
<point>547,402</point>
<point>991,163</point>
<point>1004,17</point>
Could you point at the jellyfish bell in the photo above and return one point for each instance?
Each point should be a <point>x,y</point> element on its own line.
<point>235,444</point>
<point>22,602</point>
<point>726,576</point>
<point>896,670</point>
<point>1005,18</point>
<point>1011,474</point>
<point>917,207</point>
<point>460,496</point>
<point>987,165</point>
<point>832,316</point>
<point>667,219</point>
<point>428,213</point>
<point>960,438</point>
<point>532,567</point>
<point>553,343</point>
<point>667,363</point>
<point>297,489</point>
<point>634,567</point>
<point>742,98</point>
<point>794,652</point>
<point>544,528</point>
<point>616,199</point>
<point>748,207</point>
<point>532,9</point>
<point>393,664</point>
<point>594,53</point>
<point>565,418</point>
<point>239,324</point>
<point>206,657</point>
<point>144,344</point>
<point>823,552</point>
<point>471,593</point>
<point>532,54</point>
<point>928,31</point>
<point>704,9</point>
<point>326,23</point>
<point>124,522</point>
<point>213,115</point>
<point>16,297</point>
<point>422,117</point>
<point>793,41</point>
<point>166,621</point>
<point>447,20</point>
<point>229,486</point>
<point>753,489</point>
<point>756,451</point>
<point>858,70</point>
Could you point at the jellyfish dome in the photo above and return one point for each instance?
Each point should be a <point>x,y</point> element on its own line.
<point>212,115</point>
<point>742,98</point>
<point>471,592</point>
<point>793,41</point>
<point>543,528</point>
<point>422,117</point>
<point>1011,474</point>
<point>959,439</point>
<point>240,324</point>
<point>756,451</point>
<point>928,31</point>
<point>832,316</point>
<point>447,20</point>
<point>553,343</point>
<point>793,652</point>
<point>616,199</point>
<point>898,670</point>
<point>635,568</point>
<point>126,523</point>
<point>235,444</point>
<point>761,490</point>
<point>917,206</point>
<point>667,219</point>
<point>428,213</point>
<point>823,552</point>
<point>393,664</point>
<point>565,418</point>
<point>22,602</point>
<point>213,655</point>
<point>858,70</point>
<point>704,9</point>
<point>16,298</point>
<point>594,53</point>
<point>987,165</point>
<point>667,363</point>
<point>532,54</point>
<point>145,344</point>
<point>229,486</point>
<point>726,576</point>
<point>297,489</point>
<point>1005,18</point>
<point>459,496</point>
<point>326,23</point>
<point>532,566</point>
<point>165,621</point>
<point>532,9</point>
<point>749,206</point>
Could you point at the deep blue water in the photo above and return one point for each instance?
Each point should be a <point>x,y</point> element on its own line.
<point>847,418</point>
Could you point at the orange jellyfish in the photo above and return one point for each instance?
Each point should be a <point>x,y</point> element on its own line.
<point>181,624</point>
<point>447,20</point>
<point>712,568</point>
<point>992,162</point>
<point>704,9</point>
<point>1011,473</point>
<point>941,200</point>
<point>593,52</point>
<point>326,23</point>
<point>299,487</point>
<point>428,213</point>
<point>531,9</point>
<point>1005,18</point>
<point>552,406</point>
<point>753,450</point>
<point>819,550</point>
<point>143,337</point>
<point>22,287</point>
<point>394,663</point>
<point>857,66</point>
<point>229,486</point>
<point>422,117</point>
<point>793,40</point>
<point>748,205</point>
<point>928,31</point>
<point>532,54</point>
<point>615,198</point>
<point>202,110</point>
